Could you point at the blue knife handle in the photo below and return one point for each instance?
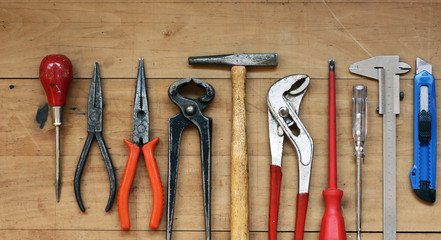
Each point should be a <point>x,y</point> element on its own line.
<point>423,173</point>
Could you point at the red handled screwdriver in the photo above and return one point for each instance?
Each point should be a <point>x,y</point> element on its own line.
<point>56,75</point>
<point>333,224</point>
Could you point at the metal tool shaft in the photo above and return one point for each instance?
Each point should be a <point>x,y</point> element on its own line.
<point>359,201</point>
<point>57,162</point>
<point>389,160</point>
<point>57,121</point>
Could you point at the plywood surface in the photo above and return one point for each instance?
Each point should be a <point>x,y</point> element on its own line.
<point>116,34</point>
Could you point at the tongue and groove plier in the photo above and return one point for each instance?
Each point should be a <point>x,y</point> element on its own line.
<point>141,140</point>
<point>191,113</point>
<point>284,98</point>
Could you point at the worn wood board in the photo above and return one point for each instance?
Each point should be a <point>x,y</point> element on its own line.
<point>116,34</point>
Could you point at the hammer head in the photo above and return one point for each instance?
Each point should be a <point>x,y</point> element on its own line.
<point>247,59</point>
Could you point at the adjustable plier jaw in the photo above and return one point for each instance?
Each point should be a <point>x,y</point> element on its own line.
<point>284,98</point>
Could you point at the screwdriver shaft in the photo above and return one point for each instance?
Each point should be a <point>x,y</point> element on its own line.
<point>57,118</point>
<point>332,142</point>
<point>359,172</point>
<point>57,162</point>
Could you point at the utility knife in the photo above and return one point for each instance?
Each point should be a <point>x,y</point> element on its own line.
<point>423,173</point>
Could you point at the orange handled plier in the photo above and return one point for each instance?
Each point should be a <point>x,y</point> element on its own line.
<point>141,140</point>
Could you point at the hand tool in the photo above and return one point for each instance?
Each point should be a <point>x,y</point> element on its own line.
<point>191,113</point>
<point>239,156</point>
<point>55,76</point>
<point>141,140</point>
<point>423,173</point>
<point>359,131</point>
<point>95,129</point>
<point>386,69</point>
<point>284,98</point>
<point>333,225</point>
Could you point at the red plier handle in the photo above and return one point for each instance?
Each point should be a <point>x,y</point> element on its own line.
<point>276,179</point>
<point>155,181</point>
<point>302,206</point>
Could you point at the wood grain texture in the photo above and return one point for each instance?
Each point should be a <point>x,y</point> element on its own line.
<point>26,160</point>
<point>134,235</point>
<point>305,34</point>
<point>239,157</point>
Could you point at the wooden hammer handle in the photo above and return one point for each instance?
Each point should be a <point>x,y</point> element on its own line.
<point>239,158</point>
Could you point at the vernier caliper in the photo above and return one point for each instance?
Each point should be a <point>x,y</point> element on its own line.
<point>386,69</point>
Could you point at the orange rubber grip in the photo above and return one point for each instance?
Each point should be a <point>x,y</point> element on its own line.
<point>155,181</point>
<point>126,183</point>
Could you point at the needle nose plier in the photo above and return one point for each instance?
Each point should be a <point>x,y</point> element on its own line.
<point>141,140</point>
<point>95,129</point>
<point>191,113</point>
<point>283,99</point>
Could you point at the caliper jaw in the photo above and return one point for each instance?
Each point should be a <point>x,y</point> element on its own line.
<point>383,68</point>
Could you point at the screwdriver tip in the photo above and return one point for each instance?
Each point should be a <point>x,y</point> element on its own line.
<point>331,64</point>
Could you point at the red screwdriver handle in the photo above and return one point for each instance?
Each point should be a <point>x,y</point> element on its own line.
<point>276,179</point>
<point>56,76</point>
<point>333,224</point>
<point>155,181</point>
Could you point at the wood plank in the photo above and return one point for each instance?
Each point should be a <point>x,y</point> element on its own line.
<point>116,33</point>
<point>153,235</point>
<point>304,34</point>
<point>27,167</point>
<point>229,1</point>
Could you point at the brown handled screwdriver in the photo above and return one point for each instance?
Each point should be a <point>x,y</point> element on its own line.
<point>56,75</point>
<point>333,225</point>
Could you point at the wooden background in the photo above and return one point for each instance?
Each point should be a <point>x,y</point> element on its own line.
<point>116,34</point>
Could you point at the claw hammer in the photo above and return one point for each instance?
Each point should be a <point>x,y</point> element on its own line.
<point>239,156</point>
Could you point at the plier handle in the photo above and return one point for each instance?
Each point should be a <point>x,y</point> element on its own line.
<point>191,113</point>
<point>284,98</point>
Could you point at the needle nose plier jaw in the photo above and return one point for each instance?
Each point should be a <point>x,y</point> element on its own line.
<point>95,129</point>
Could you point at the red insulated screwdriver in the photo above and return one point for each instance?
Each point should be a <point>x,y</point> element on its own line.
<point>333,224</point>
<point>56,75</point>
